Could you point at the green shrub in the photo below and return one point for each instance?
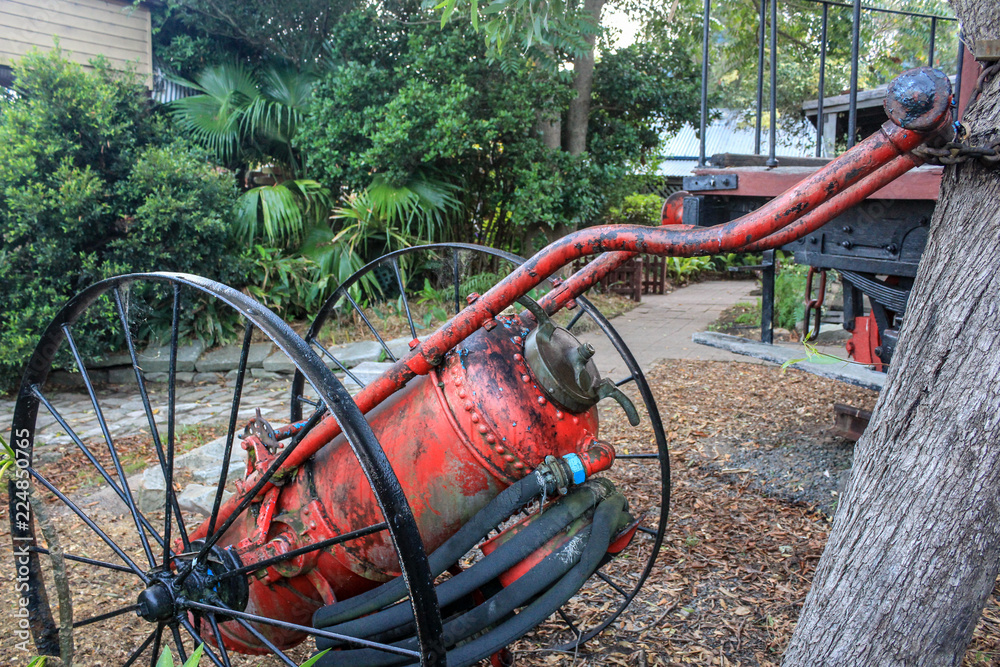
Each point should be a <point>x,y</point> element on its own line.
<point>87,192</point>
<point>789,293</point>
<point>636,210</point>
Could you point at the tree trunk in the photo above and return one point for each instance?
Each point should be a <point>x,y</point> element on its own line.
<point>583,83</point>
<point>550,131</point>
<point>915,546</point>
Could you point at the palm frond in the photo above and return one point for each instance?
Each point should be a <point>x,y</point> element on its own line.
<point>283,212</point>
<point>213,118</point>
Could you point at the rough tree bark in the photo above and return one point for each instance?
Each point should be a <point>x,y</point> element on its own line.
<point>915,546</point>
<point>583,84</point>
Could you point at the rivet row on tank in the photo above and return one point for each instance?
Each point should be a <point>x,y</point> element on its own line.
<point>461,393</point>
<point>525,378</point>
<point>468,406</point>
<point>519,465</point>
<point>559,414</point>
<point>517,356</point>
<point>475,418</point>
<point>491,438</point>
<point>482,428</point>
<point>541,400</point>
<point>508,457</point>
<point>499,449</point>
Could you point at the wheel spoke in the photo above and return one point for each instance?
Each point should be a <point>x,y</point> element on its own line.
<point>370,327</point>
<point>636,456</point>
<point>329,355</point>
<point>647,531</point>
<point>196,636</point>
<point>402,293</point>
<point>606,579</point>
<point>569,621</point>
<point>90,523</point>
<point>303,399</point>
<point>456,275</point>
<point>148,409</point>
<point>81,559</point>
<point>266,642</point>
<point>231,431</point>
<point>171,414</point>
<point>239,615</point>
<point>218,640</point>
<point>576,318</point>
<point>156,645</point>
<point>175,631</point>
<point>90,457</point>
<point>142,647</point>
<point>252,494</point>
<point>102,617</point>
<point>129,500</point>
<point>630,378</point>
<point>267,562</point>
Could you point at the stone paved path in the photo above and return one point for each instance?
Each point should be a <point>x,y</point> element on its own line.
<point>659,328</point>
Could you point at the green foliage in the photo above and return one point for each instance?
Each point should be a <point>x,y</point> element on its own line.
<point>293,287</point>
<point>190,34</point>
<point>7,458</point>
<point>282,213</point>
<point>789,292</point>
<point>86,192</point>
<point>641,92</point>
<point>685,269</point>
<point>167,658</point>
<point>442,110</point>
<point>538,27</point>
<point>246,116</point>
<point>890,44</point>
<point>636,210</point>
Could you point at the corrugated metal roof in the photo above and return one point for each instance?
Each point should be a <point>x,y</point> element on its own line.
<point>165,90</point>
<point>730,134</point>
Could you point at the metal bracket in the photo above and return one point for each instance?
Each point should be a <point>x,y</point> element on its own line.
<point>711,182</point>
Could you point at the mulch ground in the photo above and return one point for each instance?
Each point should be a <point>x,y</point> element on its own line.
<point>741,543</point>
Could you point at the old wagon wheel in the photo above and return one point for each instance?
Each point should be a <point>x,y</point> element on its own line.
<point>141,572</point>
<point>397,282</point>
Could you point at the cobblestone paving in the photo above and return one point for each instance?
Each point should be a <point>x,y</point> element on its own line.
<point>123,412</point>
<point>660,328</point>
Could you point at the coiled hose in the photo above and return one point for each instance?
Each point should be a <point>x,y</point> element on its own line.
<point>582,525</point>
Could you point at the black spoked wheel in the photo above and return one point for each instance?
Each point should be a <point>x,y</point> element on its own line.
<point>147,563</point>
<point>401,296</point>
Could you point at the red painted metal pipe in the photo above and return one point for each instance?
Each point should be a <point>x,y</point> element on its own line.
<point>624,240</point>
<point>838,204</point>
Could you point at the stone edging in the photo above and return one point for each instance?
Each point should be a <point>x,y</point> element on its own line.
<point>194,364</point>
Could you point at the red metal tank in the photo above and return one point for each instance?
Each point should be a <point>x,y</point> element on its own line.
<point>456,438</point>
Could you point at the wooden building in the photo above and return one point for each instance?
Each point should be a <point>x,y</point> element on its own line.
<point>116,29</point>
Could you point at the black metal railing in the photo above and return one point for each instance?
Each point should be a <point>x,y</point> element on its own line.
<point>771,31</point>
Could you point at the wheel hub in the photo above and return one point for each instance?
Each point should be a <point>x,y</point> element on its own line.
<point>200,582</point>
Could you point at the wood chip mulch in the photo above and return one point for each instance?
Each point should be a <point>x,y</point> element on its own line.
<point>738,554</point>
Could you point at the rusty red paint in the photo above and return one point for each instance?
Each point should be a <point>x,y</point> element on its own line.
<point>830,209</point>
<point>473,426</point>
<point>495,429</point>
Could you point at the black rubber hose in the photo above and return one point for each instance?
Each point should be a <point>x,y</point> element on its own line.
<point>608,520</point>
<point>490,612</point>
<point>498,510</point>
<point>606,524</point>
<point>509,554</point>
<point>397,622</point>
